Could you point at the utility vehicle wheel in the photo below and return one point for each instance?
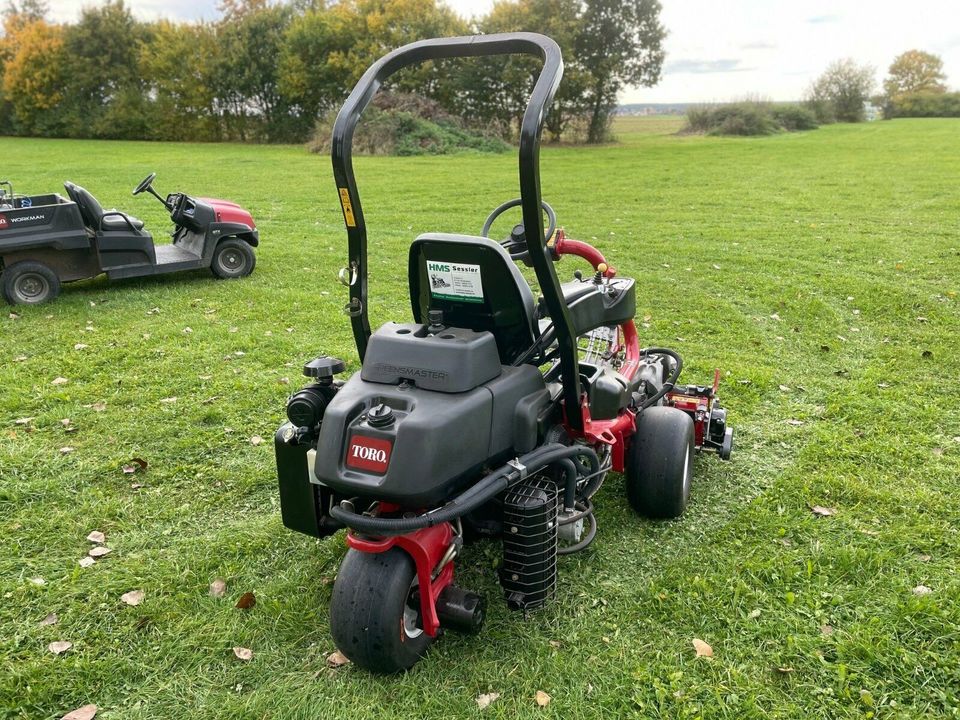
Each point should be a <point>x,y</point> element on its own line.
<point>660,463</point>
<point>233,258</point>
<point>375,613</point>
<point>29,283</point>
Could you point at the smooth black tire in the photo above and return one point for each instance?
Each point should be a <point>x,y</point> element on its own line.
<point>660,463</point>
<point>373,619</point>
<point>233,258</point>
<point>30,283</point>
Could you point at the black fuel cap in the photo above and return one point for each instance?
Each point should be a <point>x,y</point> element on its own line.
<point>324,367</point>
<point>380,415</point>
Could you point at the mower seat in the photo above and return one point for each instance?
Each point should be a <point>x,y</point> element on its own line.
<point>95,217</point>
<point>477,286</point>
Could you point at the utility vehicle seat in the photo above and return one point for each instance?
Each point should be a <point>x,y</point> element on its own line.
<point>95,217</point>
<point>476,285</point>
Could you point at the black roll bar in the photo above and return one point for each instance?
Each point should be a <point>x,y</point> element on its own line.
<point>541,97</point>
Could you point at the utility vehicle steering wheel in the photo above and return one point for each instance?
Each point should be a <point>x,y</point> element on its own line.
<point>144,184</point>
<point>516,244</point>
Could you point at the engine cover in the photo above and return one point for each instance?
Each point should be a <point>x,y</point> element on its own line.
<point>415,447</point>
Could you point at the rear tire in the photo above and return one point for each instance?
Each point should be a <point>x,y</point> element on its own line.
<point>372,618</point>
<point>30,283</point>
<point>233,258</point>
<point>660,463</point>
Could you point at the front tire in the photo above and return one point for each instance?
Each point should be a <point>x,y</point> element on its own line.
<point>233,258</point>
<point>30,283</point>
<point>660,463</point>
<point>374,617</point>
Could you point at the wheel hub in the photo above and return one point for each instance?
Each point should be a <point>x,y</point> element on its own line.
<point>30,287</point>
<point>231,260</point>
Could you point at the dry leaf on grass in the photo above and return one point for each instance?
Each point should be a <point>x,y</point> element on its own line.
<point>256,440</point>
<point>86,562</point>
<point>169,400</point>
<point>703,650</point>
<point>246,601</point>
<point>59,646</point>
<point>337,659</point>
<point>134,597</point>
<point>80,346</point>
<point>784,388</point>
<point>50,619</point>
<point>922,590</point>
<point>135,465</point>
<point>98,406</point>
<point>484,699</point>
<point>23,421</point>
<point>826,629</point>
<point>66,450</point>
<point>754,614</point>
<point>794,422</point>
<point>59,381</point>
<point>96,536</point>
<point>87,712</point>
<point>99,551</point>
<point>784,670</point>
<point>821,511</point>
<point>542,698</point>
<point>217,588</point>
<point>38,581</point>
<point>242,653</point>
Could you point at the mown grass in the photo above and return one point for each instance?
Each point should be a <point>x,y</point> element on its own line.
<point>825,262</point>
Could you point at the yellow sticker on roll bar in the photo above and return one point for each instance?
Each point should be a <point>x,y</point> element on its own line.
<point>347,207</point>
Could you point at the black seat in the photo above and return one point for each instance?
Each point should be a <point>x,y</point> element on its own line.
<point>476,285</point>
<point>95,217</point>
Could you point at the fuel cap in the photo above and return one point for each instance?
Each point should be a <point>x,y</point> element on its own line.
<point>323,367</point>
<point>380,416</point>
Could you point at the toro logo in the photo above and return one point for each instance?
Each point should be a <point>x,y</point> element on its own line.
<point>369,453</point>
<point>4,223</point>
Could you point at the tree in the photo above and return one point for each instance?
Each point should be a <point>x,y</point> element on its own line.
<point>840,92</point>
<point>27,10</point>
<point>619,44</point>
<point>914,72</point>
<point>33,75</point>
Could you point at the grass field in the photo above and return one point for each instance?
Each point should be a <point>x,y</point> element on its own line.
<point>819,270</point>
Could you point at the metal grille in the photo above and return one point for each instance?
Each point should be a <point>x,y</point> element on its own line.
<point>529,572</point>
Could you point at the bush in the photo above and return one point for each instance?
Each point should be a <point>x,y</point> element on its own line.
<point>748,118</point>
<point>794,117</point>
<point>924,105</point>
<point>403,124</point>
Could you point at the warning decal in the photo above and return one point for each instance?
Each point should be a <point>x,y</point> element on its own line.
<point>455,281</point>
<point>347,208</point>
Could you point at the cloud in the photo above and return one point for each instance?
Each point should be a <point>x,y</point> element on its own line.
<point>702,67</point>
<point>759,45</point>
<point>823,19</point>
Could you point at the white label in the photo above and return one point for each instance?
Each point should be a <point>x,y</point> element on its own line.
<point>455,281</point>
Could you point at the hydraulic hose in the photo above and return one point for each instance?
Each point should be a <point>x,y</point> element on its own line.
<point>488,487</point>
<point>671,382</point>
<point>582,545</point>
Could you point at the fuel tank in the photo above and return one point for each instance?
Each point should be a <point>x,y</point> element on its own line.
<point>425,415</point>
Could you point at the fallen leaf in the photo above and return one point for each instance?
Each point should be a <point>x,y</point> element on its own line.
<point>921,319</point>
<point>703,650</point>
<point>217,588</point>
<point>86,562</point>
<point>96,536</point>
<point>776,317</point>
<point>13,316</point>
<point>169,400</point>
<point>99,551</point>
<point>134,597</point>
<point>134,465</point>
<point>337,659</point>
<point>922,590</point>
<point>59,646</point>
<point>38,581</point>
<point>99,406</point>
<point>59,381</point>
<point>284,381</point>
<point>821,511</point>
<point>188,330</point>
<point>826,629</point>
<point>784,388</point>
<point>795,423</point>
<point>242,653</point>
<point>50,619</point>
<point>66,450</point>
<point>485,699</point>
<point>87,712</point>
<point>23,421</point>
<point>754,614</point>
<point>785,670</point>
<point>246,601</point>
<point>66,422</point>
<point>555,644</point>
<point>20,358</point>
<point>542,698</point>
<point>923,558</point>
<point>256,440</point>
<point>80,346</point>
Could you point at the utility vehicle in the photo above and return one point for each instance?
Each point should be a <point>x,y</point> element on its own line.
<point>46,240</point>
<point>491,413</point>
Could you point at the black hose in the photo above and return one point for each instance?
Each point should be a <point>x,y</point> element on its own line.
<point>585,508</point>
<point>671,382</point>
<point>583,544</point>
<point>570,488</point>
<point>487,488</point>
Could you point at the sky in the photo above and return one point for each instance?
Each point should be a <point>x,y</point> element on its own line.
<point>719,50</point>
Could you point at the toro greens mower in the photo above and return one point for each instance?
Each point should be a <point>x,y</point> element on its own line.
<point>493,413</point>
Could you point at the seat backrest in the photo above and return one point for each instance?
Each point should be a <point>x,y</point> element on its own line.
<point>476,285</point>
<point>90,210</point>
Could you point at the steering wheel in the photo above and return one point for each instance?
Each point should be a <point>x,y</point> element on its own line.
<point>144,184</point>
<point>516,244</point>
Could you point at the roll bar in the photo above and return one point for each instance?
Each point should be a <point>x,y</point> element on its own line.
<point>541,97</point>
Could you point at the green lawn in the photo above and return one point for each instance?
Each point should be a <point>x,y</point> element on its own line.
<point>819,270</point>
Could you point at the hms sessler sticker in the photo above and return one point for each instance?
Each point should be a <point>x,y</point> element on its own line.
<point>455,281</point>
